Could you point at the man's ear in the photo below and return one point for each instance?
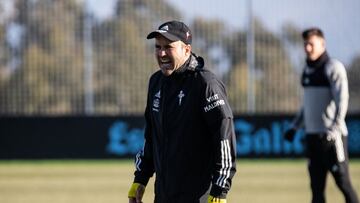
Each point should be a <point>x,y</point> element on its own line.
<point>188,49</point>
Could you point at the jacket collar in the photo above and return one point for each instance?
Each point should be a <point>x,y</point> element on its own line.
<point>321,61</point>
<point>192,63</point>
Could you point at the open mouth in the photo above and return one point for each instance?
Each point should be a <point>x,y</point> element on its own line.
<point>165,63</point>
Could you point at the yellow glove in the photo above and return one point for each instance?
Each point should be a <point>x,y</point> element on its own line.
<point>212,199</point>
<point>136,192</point>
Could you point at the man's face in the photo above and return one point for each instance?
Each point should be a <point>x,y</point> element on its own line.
<point>314,46</point>
<point>170,55</point>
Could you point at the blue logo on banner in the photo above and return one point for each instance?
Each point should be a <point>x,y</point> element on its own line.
<point>263,141</point>
<point>123,141</point>
<point>354,136</point>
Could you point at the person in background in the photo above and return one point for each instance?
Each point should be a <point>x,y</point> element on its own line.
<point>189,133</point>
<point>325,103</point>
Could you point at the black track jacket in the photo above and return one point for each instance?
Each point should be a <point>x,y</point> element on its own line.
<point>189,135</point>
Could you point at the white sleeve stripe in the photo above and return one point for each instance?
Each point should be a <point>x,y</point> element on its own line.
<point>226,163</point>
<point>339,148</point>
<point>223,159</point>
<point>138,157</point>
<point>138,161</point>
<point>229,163</point>
<point>224,172</point>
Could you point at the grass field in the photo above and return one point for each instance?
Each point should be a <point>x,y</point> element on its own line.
<point>257,181</point>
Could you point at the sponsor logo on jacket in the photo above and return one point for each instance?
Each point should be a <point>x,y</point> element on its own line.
<point>213,102</point>
<point>156,102</point>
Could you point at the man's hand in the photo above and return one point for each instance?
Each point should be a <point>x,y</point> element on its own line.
<point>290,134</point>
<point>136,193</point>
<point>212,199</point>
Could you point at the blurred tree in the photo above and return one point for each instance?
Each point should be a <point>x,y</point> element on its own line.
<point>122,69</point>
<point>208,36</point>
<point>209,31</point>
<point>153,11</point>
<point>292,43</point>
<point>4,70</point>
<point>292,34</point>
<point>50,76</point>
<point>124,57</point>
<point>49,79</point>
<point>274,75</point>
<point>237,87</point>
<point>9,86</point>
<point>4,56</point>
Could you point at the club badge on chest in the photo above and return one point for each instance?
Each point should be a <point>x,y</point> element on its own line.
<point>180,96</point>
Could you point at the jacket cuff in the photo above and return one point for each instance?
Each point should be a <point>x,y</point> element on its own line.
<point>142,180</point>
<point>217,191</point>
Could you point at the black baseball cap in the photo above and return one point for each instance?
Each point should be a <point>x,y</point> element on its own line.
<point>173,31</point>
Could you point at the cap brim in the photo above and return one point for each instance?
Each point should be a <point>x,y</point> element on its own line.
<point>165,34</point>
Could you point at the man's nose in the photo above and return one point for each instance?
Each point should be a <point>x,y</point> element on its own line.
<point>161,52</point>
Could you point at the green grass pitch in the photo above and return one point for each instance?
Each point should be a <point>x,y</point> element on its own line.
<point>79,181</point>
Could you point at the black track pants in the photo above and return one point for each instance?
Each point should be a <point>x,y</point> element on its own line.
<point>322,156</point>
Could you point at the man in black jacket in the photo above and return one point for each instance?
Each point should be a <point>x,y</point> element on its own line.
<point>189,132</point>
<point>322,114</point>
